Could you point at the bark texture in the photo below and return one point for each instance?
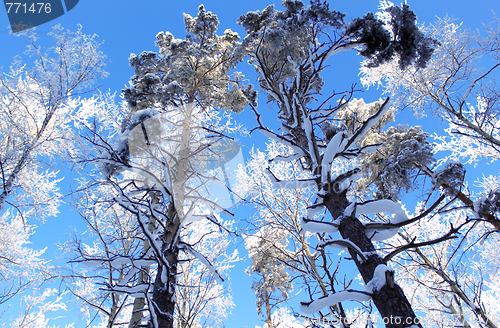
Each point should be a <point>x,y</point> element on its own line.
<point>392,303</point>
<point>163,302</point>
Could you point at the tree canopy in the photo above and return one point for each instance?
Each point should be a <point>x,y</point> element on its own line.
<point>357,220</point>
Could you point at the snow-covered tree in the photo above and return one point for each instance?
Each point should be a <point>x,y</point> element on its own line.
<point>267,249</point>
<point>94,257</point>
<point>39,111</point>
<point>458,85</point>
<point>19,264</point>
<point>166,160</point>
<point>282,262</point>
<point>202,300</point>
<point>290,49</point>
<point>98,261</point>
<point>282,318</point>
<point>454,282</point>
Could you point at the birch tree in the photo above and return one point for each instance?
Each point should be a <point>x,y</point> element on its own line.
<point>39,108</point>
<point>97,261</point>
<point>203,300</point>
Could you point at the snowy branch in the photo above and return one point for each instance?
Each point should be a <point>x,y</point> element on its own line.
<point>333,299</point>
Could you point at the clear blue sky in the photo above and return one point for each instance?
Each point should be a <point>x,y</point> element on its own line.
<point>130,26</point>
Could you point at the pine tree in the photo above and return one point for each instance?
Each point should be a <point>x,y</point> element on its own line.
<point>289,50</point>
<point>161,166</point>
<point>457,86</point>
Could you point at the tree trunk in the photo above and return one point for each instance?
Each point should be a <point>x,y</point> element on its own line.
<point>139,303</point>
<point>163,302</point>
<point>392,303</point>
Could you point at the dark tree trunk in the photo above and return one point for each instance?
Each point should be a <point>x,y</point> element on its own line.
<point>392,303</point>
<point>164,293</point>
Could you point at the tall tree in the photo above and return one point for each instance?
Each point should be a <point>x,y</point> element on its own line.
<point>164,163</point>
<point>289,50</point>
<point>37,106</point>
<point>458,85</point>
<point>282,261</point>
<point>39,111</point>
<point>456,88</point>
<point>97,260</point>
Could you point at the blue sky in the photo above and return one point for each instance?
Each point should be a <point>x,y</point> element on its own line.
<point>130,26</point>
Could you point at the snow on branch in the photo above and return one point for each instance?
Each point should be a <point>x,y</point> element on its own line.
<point>381,231</point>
<point>292,184</point>
<point>382,275</point>
<point>126,278</point>
<point>344,180</point>
<point>134,291</point>
<point>343,244</point>
<point>318,226</point>
<point>309,132</point>
<point>381,234</point>
<point>201,258</point>
<point>360,132</point>
<point>335,146</point>
<point>350,209</point>
<point>333,299</point>
<point>394,224</point>
<point>378,206</point>
<point>315,209</point>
